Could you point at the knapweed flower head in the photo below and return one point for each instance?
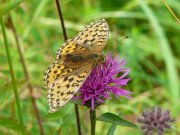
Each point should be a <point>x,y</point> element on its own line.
<point>155,121</point>
<point>104,80</point>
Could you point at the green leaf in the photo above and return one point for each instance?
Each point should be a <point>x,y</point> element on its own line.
<point>112,129</point>
<point>9,6</point>
<point>9,123</point>
<point>114,119</point>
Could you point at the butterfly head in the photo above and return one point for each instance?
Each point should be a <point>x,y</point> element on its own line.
<point>100,58</point>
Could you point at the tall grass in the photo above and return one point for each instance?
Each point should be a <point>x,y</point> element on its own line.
<point>169,60</point>
<point>13,77</point>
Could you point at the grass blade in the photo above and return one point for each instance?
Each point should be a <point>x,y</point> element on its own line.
<point>9,6</point>
<point>13,77</point>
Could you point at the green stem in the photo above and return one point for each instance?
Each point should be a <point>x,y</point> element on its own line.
<point>93,121</point>
<point>13,77</point>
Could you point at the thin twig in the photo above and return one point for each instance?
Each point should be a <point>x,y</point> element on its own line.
<point>65,38</point>
<point>26,76</point>
<point>167,6</point>
<point>13,78</point>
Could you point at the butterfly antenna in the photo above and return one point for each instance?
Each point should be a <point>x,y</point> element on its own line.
<point>124,38</point>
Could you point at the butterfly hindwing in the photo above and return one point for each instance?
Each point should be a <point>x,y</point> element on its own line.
<point>64,88</point>
<point>56,70</point>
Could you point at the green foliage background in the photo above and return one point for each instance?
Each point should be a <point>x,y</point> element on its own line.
<point>152,53</point>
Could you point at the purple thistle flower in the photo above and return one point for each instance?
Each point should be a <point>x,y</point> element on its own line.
<point>155,120</point>
<point>103,81</point>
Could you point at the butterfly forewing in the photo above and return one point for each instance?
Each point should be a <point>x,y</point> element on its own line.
<point>68,73</point>
<point>71,47</point>
<point>94,35</point>
<point>92,38</point>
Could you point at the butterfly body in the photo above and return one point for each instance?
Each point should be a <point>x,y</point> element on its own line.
<point>78,58</point>
<point>74,62</point>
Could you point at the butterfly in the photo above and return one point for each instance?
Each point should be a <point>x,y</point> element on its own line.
<point>74,62</point>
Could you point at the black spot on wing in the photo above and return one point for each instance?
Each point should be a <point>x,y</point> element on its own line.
<point>70,92</point>
<point>75,85</point>
<point>71,79</point>
<point>65,78</point>
<point>62,93</point>
<point>67,86</point>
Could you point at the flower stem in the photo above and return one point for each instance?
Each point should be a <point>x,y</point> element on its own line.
<point>77,119</point>
<point>93,121</point>
<point>65,38</point>
<point>13,77</point>
<point>61,20</point>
